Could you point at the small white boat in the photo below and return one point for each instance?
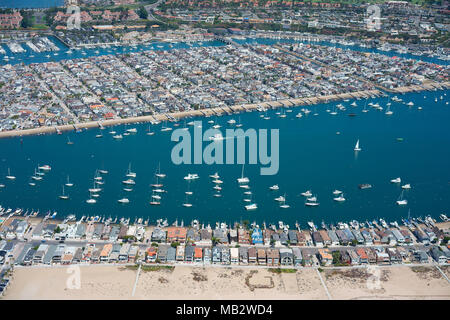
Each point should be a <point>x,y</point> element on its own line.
<point>252,206</point>
<point>118,136</point>
<point>306,193</point>
<point>231,121</point>
<point>63,196</point>
<point>280,199</point>
<point>68,183</point>
<point>243,179</point>
<point>132,130</point>
<point>401,201</point>
<point>191,176</point>
<point>214,176</point>
<point>123,200</point>
<point>9,176</point>
<point>129,182</point>
<point>337,192</point>
<point>274,187</point>
<point>396,180</point>
<point>91,201</point>
<point>340,198</point>
<point>217,181</point>
<point>45,168</point>
<point>406,186</point>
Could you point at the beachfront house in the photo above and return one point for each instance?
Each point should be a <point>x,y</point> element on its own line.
<point>243,255</point>
<point>123,253</point>
<point>171,254</point>
<point>252,255</point>
<point>325,237</point>
<point>273,257</point>
<point>438,255</point>
<point>317,238</point>
<point>363,258</point>
<point>216,255</point>
<point>106,251</point>
<point>207,255</point>
<point>262,257</point>
<point>40,253</point>
<point>421,256</point>
<point>325,257</point>
<point>189,253</point>
<point>162,253</point>
<point>286,256</point>
<point>226,258</point>
<point>234,255</point>
<point>176,234</point>
<point>180,253</point>
<point>198,254</point>
<point>151,254</point>
<point>354,257</point>
<point>59,252</point>
<point>133,253</point>
<point>257,236</point>
<point>292,235</point>
<point>243,236</point>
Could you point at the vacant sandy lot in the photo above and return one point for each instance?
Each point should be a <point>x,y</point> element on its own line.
<point>181,282</point>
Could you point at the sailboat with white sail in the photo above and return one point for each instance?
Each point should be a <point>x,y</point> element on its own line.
<point>357,147</point>
<point>63,196</point>
<point>401,201</point>
<point>68,183</point>
<point>243,179</point>
<point>9,176</point>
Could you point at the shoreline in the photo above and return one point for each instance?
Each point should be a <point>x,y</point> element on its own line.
<point>219,111</point>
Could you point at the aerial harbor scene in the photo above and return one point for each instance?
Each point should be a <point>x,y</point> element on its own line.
<point>159,146</point>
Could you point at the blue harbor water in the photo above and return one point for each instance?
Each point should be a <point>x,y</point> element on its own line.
<point>312,157</point>
<point>20,4</point>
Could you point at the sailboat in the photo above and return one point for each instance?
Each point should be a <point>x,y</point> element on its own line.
<point>188,192</point>
<point>36,176</point>
<point>63,196</point>
<point>388,111</point>
<point>243,179</point>
<point>123,200</point>
<point>158,173</point>
<point>68,183</point>
<point>340,198</point>
<point>130,174</point>
<point>165,128</point>
<point>154,201</point>
<point>90,200</point>
<point>357,147</point>
<point>186,203</point>
<point>68,141</point>
<point>9,176</point>
<point>401,201</point>
<point>239,123</point>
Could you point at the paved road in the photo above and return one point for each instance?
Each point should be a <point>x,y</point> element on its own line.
<point>150,9</point>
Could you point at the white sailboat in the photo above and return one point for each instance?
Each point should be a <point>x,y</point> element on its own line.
<point>252,206</point>
<point>63,196</point>
<point>90,200</point>
<point>123,200</point>
<point>274,187</point>
<point>158,173</point>
<point>401,201</point>
<point>9,176</point>
<point>130,174</point>
<point>406,186</point>
<point>68,183</point>
<point>340,198</point>
<point>283,204</point>
<point>186,204</point>
<point>396,180</point>
<point>243,179</point>
<point>307,193</point>
<point>357,147</point>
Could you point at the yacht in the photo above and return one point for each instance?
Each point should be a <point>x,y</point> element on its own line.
<point>396,180</point>
<point>91,201</point>
<point>216,137</point>
<point>123,200</point>
<point>443,217</point>
<point>103,171</point>
<point>252,206</point>
<point>280,199</point>
<point>129,182</point>
<point>406,186</point>
<point>217,181</point>
<point>401,201</point>
<point>118,136</point>
<point>306,193</point>
<point>357,147</point>
<point>243,179</point>
<point>283,204</point>
<point>299,115</point>
<point>337,192</point>
<point>45,168</point>
<point>274,187</point>
<point>132,130</point>
<point>311,203</point>
<point>191,176</point>
<point>340,198</point>
<point>231,121</point>
<point>186,204</point>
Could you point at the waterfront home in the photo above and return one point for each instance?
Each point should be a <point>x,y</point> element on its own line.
<point>283,238</point>
<point>47,259</point>
<point>382,256</point>
<point>407,236</point>
<point>151,254</point>
<point>233,236</point>
<point>243,255</point>
<point>40,253</point>
<point>257,236</point>
<point>317,238</point>
<point>398,236</point>
<point>171,254</point>
<point>273,257</point>
<point>354,257</point>
<point>226,258</point>
<point>367,237</point>
<point>252,255</point>
<point>180,253</point>
<point>286,256</point>
<point>207,255</point>
<point>358,236</point>
<point>77,257</point>
<point>297,256</point>
<point>275,239</point>
<point>105,232</point>
<point>158,235</point>
<point>192,235</point>
<point>363,258</point>
<point>349,234</point>
<point>221,235</point>
<point>301,238</point>
<point>421,256</point>
<point>67,257</point>
<point>262,258</point>
<point>58,254</point>
<point>90,231</point>
<point>114,234</point>
<point>325,257</point>
<point>123,232</point>
<point>49,230</point>
<point>198,254</point>
<point>343,239</point>
<point>292,235</point>
<point>438,255</point>
<point>114,256</point>
<point>270,235</point>
<point>325,237</point>
<point>80,231</point>
<point>234,255</point>
<point>162,253</point>
<point>98,230</point>
<point>131,232</point>
<point>123,253</point>
<point>205,237</point>
<point>106,251</point>
<point>333,237</point>
<point>176,234</point>
<point>189,253</point>
<point>216,255</point>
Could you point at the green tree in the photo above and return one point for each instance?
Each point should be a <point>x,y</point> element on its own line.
<point>143,14</point>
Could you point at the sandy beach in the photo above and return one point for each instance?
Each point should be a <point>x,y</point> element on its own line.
<point>189,282</point>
